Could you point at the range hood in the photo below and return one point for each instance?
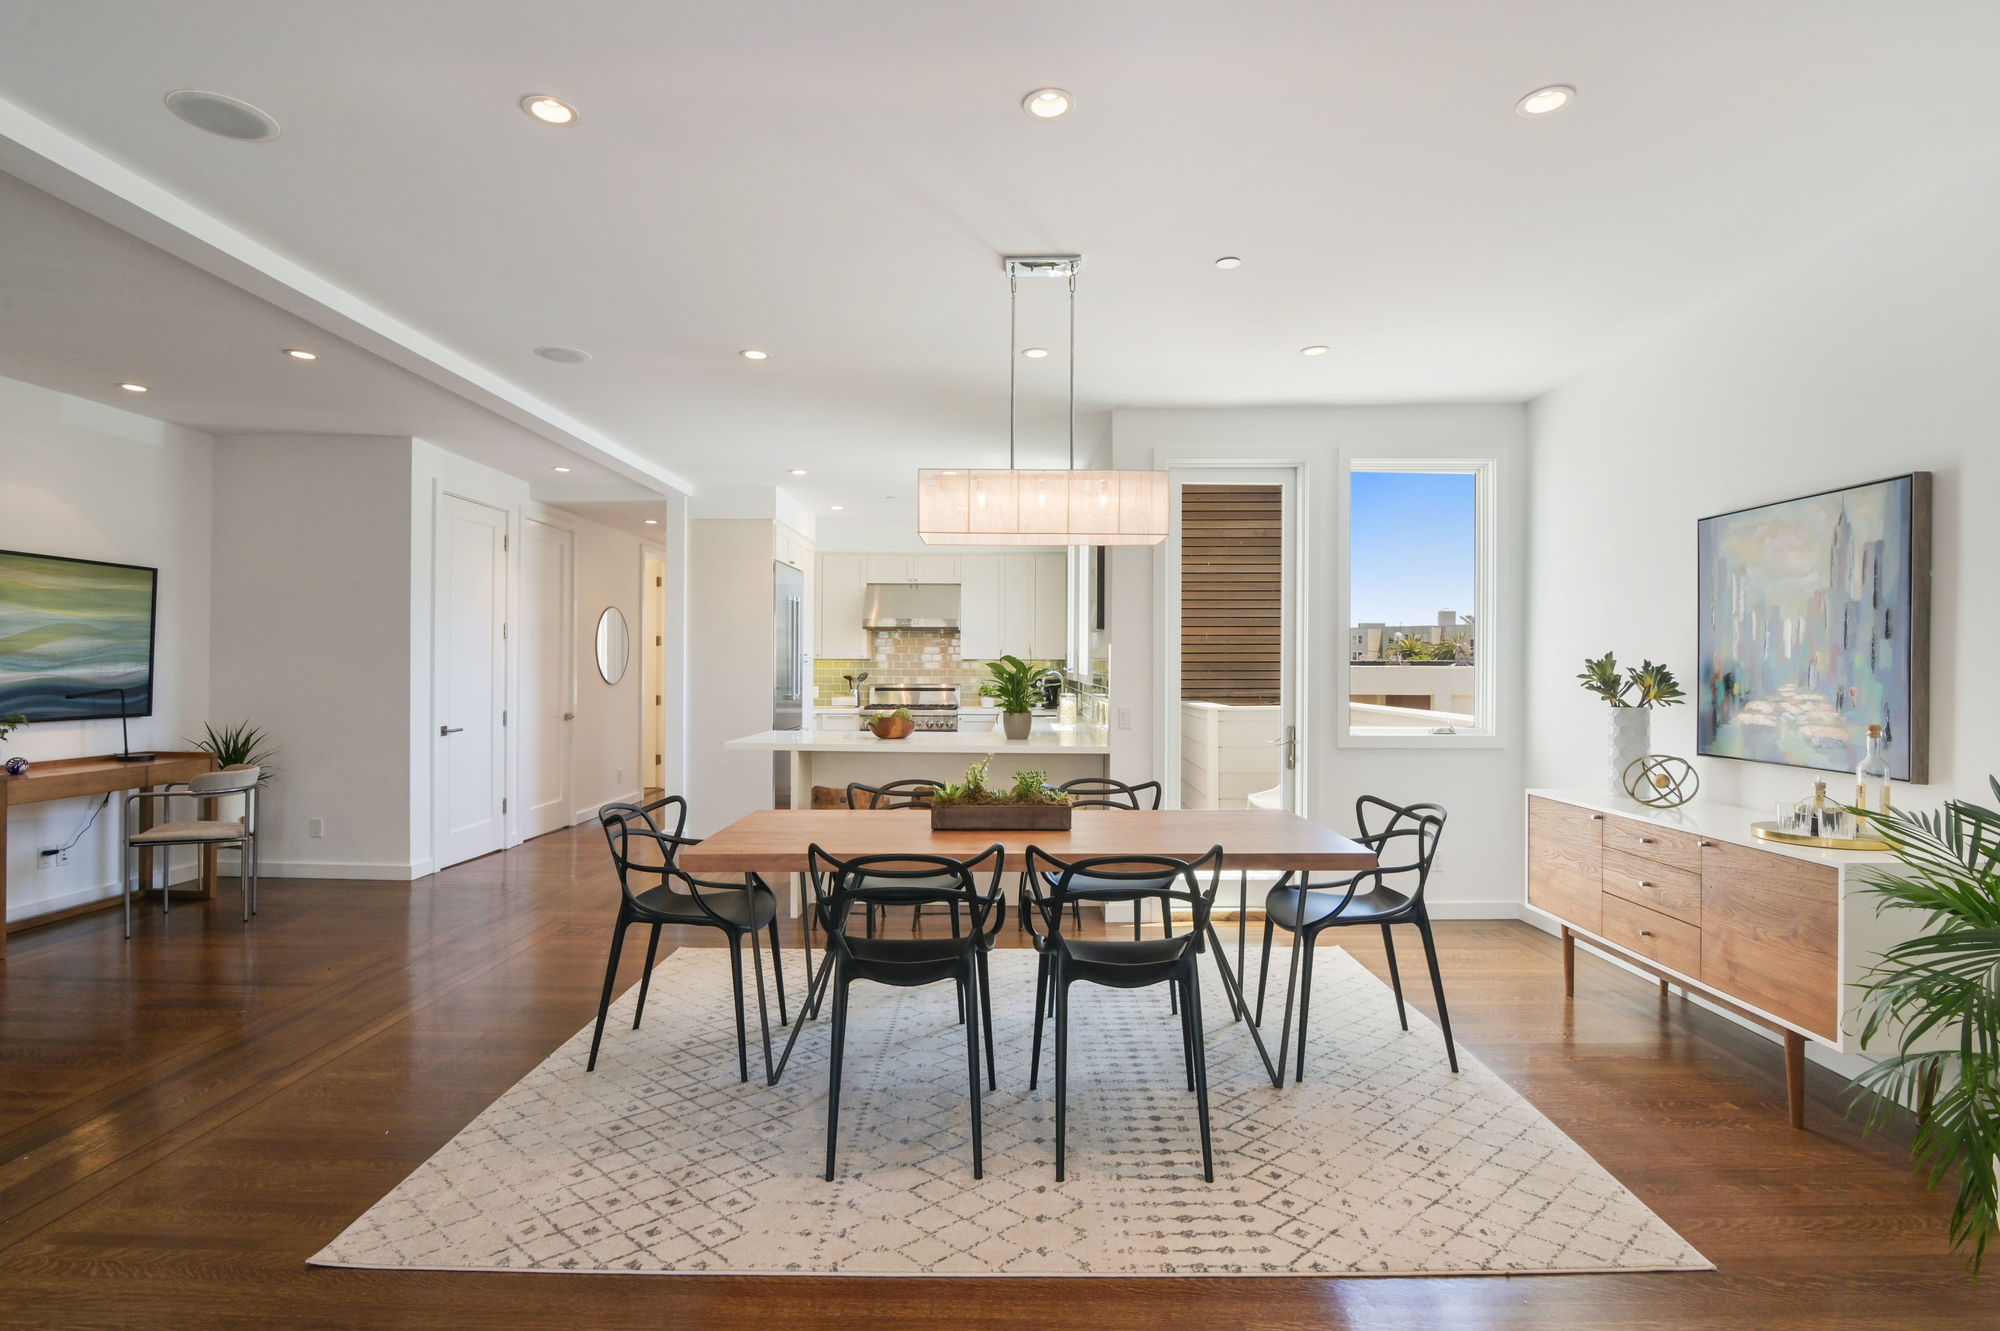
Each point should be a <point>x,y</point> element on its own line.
<point>907,605</point>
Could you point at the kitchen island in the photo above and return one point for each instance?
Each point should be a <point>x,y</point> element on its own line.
<point>834,757</point>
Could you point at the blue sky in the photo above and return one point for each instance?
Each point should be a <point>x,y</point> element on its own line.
<point>1411,546</point>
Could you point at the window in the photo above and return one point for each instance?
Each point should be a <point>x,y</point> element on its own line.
<point>1418,668</point>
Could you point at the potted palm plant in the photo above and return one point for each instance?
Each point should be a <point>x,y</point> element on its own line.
<point>1938,994</point>
<point>1013,688</point>
<point>1632,696</point>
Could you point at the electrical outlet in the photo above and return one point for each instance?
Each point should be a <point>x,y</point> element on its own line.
<point>1124,718</point>
<point>621,774</point>
<point>51,856</point>
<point>316,827</point>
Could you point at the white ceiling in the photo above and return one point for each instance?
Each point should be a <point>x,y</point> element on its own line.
<point>835,182</point>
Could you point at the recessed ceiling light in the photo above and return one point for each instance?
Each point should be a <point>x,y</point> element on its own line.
<point>562,469</point>
<point>652,522</point>
<point>1229,261</point>
<point>798,471</point>
<point>300,353</point>
<point>1047,103</point>
<point>751,353</point>
<point>1313,351</point>
<point>227,116</point>
<point>550,110</point>
<point>133,388</point>
<point>1544,100</point>
<point>1035,353</point>
<point>834,507</point>
<point>563,355</point>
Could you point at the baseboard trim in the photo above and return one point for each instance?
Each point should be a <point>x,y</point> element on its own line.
<point>588,814</point>
<point>392,873</point>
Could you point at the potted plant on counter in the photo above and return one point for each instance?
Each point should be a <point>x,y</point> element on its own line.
<point>1938,996</point>
<point>1013,688</point>
<point>1646,686</point>
<point>1031,804</point>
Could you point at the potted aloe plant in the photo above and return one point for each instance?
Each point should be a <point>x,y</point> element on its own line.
<point>1013,688</point>
<point>1632,695</point>
<point>1938,995</point>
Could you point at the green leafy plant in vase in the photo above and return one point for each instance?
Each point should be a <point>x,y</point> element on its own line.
<point>1938,996</point>
<point>1632,695</point>
<point>1013,688</point>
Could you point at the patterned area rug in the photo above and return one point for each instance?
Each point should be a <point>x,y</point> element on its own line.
<point>1380,1163</point>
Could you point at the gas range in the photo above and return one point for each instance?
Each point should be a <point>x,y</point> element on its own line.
<point>932,706</point>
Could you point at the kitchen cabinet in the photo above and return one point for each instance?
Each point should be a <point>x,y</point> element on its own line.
<point>911,568</point>
<point>788,547</point>
<point>980,631</point>
<point>843,581</point>
<point>1049,638</point>
<point>1017,604</point>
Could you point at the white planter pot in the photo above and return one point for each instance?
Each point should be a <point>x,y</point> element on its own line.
<point>1631,740</point>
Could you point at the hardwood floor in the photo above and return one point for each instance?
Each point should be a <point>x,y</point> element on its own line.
<point>184,1119</point>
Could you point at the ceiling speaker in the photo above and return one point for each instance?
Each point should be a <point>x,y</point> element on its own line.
<point>227,116</point>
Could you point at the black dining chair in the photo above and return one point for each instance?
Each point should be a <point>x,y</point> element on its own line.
<point>639,849</point>
<point>908,793</point>
<point>1098,792</point>
<point>1121,963</point>
<point>1405,848</point>
<point>841,885</point>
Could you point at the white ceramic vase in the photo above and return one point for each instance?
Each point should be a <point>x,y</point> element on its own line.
<point>1631,740</point>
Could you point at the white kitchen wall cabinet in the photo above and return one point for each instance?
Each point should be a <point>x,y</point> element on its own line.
<point>910,568</point>
<point>1017,604</point>
<point>934,568</point>
<point>788,547</point>
<point>980,631</point>
<point>842,583</point>
<point>1049,638</point>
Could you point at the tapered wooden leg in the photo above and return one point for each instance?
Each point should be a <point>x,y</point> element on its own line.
<point>1795,1076</point>
<point>1569,963</point>
<point>1663,986</point>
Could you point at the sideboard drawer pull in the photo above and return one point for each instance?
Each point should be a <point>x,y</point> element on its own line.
<point>1645,933</point>
<point>1644,883</point>
<point>1645,841</point>
<point>1596,817</point>
<point>1704,844</point>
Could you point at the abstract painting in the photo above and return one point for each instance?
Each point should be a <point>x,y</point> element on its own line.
<point>73,626</point>
<point>1815,625</point>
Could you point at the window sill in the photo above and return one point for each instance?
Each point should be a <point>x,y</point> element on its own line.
<point>1390,738</point>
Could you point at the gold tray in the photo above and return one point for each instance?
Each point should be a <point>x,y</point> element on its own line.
<point>1770,832</point>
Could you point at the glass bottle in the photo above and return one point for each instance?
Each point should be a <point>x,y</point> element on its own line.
<point>1871,778</point>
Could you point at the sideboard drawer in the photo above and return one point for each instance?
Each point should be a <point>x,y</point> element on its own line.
<point>1649,883</point>
<point>1673,943</point>
<point>1681,850</point>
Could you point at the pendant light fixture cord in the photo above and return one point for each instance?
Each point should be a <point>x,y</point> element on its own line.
<point>1072,369</point>
<point>1013,338</point>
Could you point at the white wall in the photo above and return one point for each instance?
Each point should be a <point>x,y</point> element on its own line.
<point>1872,356</point>
<point>1478,867</point>
<point>92,482</point>
<point>313,641</point>
<point>731,591</point>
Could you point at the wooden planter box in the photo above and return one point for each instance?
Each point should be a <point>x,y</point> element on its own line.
<point>1001,818</point>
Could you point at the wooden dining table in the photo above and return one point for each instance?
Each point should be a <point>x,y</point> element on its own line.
<point>779,841</point>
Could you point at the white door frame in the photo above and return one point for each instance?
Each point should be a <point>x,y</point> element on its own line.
<point>1291,474</point>
<point>503,778</point>
<point>652,623</point>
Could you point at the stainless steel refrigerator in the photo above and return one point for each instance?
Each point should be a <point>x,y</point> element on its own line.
<point>788,675</point>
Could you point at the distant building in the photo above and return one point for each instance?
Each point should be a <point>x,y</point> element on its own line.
<point>1390,687</point>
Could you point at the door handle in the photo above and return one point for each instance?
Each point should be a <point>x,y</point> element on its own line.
<point>569,716</point>
<point>1291,743</point>
<point>449,730</point>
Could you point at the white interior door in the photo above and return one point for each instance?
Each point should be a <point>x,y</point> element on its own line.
<point>1229,747</point>
<point>547,654</point>
<point>652,768</point>
<point>469,681</point>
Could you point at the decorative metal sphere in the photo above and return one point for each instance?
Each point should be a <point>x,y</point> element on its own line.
<point>17,767</point>
<point>1662,781</point>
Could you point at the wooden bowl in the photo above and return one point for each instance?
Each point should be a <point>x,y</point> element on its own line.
<point>892,727</point>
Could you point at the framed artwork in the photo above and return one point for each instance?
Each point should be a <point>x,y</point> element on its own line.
<point>1815,624</point>
<point>70,626</point>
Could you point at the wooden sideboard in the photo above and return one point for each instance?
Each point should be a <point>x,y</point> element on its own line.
<point>1777,934</point>
<point>70,778</point>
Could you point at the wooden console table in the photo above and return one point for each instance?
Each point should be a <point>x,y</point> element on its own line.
<point>1779,935</point>
<point>71,778</point>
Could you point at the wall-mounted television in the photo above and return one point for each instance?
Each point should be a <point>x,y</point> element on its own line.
<point>72,626</point>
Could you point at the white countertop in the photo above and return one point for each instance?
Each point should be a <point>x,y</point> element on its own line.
<point>1716,821</point>
<point>1042,739</point>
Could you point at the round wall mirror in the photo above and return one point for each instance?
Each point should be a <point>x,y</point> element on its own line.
<point>614,645</point>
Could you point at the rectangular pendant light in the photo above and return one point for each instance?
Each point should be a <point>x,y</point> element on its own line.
<point>1042,507</point>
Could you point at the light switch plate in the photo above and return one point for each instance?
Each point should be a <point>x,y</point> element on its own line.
<point>1124,718</point>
